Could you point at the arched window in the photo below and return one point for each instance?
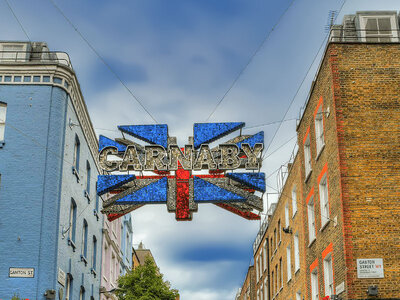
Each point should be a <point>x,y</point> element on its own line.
<point>77,147</point>
<point>72,221</point>
<point>94,253</point>
<point>87,177</point>
<point>84,238</point>
<point>3,110</point>
<point>68,287</point>
<point>82,293</point>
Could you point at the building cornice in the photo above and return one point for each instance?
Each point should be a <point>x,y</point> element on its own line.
<point>69,83</point>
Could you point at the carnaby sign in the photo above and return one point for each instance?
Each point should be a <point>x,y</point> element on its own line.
<point>174,181</point>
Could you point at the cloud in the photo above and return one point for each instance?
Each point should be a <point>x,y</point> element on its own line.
<point>179,58</point>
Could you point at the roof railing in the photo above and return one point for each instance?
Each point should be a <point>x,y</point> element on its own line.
<point>50,57</point>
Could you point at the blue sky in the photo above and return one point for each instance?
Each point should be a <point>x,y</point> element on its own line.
<point>179,58</point>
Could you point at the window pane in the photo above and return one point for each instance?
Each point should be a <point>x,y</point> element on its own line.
<point>296,252</point>
<point>289,263</point>
<point>287,215</point>
<point>384,25</point>
<point>294,201</point>
<point>371,26</point>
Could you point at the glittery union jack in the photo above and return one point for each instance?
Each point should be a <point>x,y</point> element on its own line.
<point>160,172</point>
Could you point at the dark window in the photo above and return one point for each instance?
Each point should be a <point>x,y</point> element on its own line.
<point>72,220</point>
<point>87,177</point>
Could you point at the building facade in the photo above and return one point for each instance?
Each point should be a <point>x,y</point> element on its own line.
<point>112,258</point>
<point>334,229</point>
<point>126,244</point>
<point>51,226</point>
<point>117,254</point>
<point>248,289</point>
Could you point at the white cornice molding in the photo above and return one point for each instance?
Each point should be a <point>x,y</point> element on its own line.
<point>69,83</point>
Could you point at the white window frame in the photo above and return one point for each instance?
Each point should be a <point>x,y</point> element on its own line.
<point>265,256</point>
<point>265,289</point>
<point>311,220</point>
<point>298,295</point>
<point>257,271</point>
<point>314,285</point>
<point>296,252</point>
<point>294,201</point>
<point>307,156</point>
<point>393,35</point>
<point>3,114</point>
<point>328,275</point>
<point>281,267</point>
<point>288,264</point>
<point>280,231</point>
<point>319,130</point>
<point>324,200</point>
<point>276,279</point>
<point>287,224</point>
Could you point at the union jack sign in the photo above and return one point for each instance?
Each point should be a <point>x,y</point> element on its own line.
<point>162,173</point>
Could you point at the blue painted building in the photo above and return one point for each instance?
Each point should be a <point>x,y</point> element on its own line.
<point>51,227</point>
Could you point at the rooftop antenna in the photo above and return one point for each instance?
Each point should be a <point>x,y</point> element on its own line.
<point>331,20</point>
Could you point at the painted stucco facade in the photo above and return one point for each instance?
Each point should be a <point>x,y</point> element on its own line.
<point>45,116</point>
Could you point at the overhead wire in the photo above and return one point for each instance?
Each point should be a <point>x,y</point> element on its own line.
<point>249,61</point>
<point>103,61</point>
<point>304,78</point>
<point>8,123</point>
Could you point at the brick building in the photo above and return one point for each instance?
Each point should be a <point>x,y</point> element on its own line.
<point>334,229</point>
<point>248,290</point>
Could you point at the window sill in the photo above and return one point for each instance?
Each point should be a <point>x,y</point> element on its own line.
<point>294,214</point>
<point>86,194</point>
<point>324,226</point>
<point>297,271</point>
<point>308,176</point>
<point>93,271</point>
<point>75,172</point>
<point>312,242</point>
<point>319,152</point>
<point>96,214</point>
<point>83,258</point>
<point>72,244</point>
<point>290,279</point>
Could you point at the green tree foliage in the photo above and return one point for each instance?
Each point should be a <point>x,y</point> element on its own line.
<point>145,283</point>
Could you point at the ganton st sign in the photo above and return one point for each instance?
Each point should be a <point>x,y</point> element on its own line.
<point>173,181</point>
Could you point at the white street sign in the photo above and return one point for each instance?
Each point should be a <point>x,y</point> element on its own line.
<point>370,268</point>
<point>22,272</point>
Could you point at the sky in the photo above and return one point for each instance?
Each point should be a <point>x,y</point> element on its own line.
<point>180,58</point>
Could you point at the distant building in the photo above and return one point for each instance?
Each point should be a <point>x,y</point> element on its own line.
<point>248,289</point>
<point>50,241</point>
<point>112,258</point>
<point>140,254</point>
<point>334,230</point>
